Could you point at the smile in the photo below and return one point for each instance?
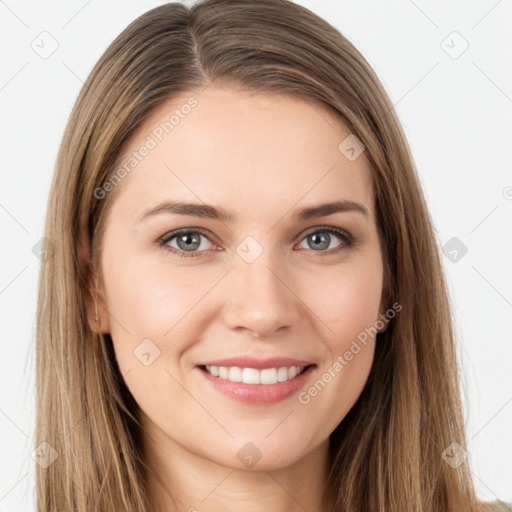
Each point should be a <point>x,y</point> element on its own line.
<point>274,381</point>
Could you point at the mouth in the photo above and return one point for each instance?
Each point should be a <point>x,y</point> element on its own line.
<point>257,385</point>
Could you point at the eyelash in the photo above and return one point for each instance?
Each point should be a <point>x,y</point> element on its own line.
<point>347,238</point>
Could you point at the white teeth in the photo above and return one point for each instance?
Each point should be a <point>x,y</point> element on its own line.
<point>254,376</point>
<point>268,376</point>
<point>251,376</point>
<point>282,374</point>
<point>235,374</point>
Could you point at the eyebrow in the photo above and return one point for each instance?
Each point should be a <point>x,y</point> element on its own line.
<point>217,213</point>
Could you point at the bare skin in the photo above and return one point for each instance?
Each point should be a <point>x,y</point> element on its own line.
<point>263,158</point>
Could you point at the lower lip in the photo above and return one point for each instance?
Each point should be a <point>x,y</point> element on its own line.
<point>259,393</point>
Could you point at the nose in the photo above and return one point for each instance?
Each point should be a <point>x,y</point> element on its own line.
<point>259,299</point>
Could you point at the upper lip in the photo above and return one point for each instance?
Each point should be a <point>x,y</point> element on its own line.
<point>258,364</point>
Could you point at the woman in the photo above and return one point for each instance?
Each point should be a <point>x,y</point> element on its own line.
<point>246,306</point>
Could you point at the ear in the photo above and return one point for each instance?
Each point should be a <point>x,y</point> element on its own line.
<point>94,297</point>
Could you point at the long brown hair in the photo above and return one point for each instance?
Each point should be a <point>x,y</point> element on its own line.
<point>386,455</point>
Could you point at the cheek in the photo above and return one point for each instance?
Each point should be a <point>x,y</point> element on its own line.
<point>149,297</point>
<point>154,302</point>
<point>149,310</point>
<point>346,300</point>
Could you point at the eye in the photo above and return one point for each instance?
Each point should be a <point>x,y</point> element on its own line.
<point>187,242</point>
<point>322,237</point>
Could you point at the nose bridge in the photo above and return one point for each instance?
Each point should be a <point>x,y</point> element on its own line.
<point>259,298</point>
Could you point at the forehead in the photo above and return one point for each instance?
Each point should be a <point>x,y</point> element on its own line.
<point>225,145</point>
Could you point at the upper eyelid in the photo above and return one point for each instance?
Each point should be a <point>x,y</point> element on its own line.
<point>173,234</point>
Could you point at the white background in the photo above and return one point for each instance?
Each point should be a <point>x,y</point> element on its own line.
<point>457,115</point>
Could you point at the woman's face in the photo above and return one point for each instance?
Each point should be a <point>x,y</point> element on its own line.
<point>258,281</point>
